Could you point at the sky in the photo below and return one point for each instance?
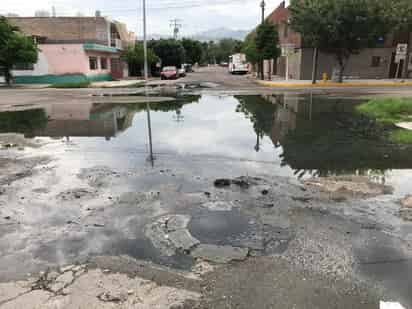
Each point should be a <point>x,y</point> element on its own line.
<point>195,15</point>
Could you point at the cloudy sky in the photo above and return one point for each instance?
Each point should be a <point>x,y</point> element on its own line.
<point>195,15</point>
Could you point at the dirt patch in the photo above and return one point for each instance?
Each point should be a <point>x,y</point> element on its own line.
<point>407,202</point>
<point>78,287</point>
<point>344,187</point>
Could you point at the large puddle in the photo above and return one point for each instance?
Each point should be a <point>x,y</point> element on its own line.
<point>292,135</point>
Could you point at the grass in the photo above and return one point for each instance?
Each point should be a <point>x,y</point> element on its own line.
<point>401,136</point>
<point>388,110</point>
<point>85,84</point>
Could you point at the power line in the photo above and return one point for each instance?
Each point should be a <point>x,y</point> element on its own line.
<point>174,23</point>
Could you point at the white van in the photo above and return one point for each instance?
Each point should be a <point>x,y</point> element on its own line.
<point>238,64</point>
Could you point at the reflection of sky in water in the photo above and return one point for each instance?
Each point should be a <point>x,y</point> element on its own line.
<point>208,134</point>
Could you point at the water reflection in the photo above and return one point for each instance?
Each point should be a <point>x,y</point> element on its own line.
<point>300,135</point>
<point>322,136</point>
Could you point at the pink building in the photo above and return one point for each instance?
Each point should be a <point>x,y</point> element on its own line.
<point>73,49</point>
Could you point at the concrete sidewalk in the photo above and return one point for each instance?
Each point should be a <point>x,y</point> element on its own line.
<point>370,83</point>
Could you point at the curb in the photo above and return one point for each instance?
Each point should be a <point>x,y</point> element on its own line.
<point>333,84</point>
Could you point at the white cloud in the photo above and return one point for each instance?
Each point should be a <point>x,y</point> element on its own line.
<point>240,14</point>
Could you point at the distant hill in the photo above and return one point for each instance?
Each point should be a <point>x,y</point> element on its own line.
<point>210,35</point>
<point>220,33</point>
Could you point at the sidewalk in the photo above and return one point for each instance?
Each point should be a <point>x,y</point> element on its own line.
<point>116,84</point>
<point>330,84</point>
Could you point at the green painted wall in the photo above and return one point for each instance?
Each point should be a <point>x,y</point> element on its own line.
<point>62,79</point>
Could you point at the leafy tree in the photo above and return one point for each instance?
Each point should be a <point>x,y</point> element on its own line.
<point>134,56</point>
<point>193,50</point>
<point>226,48</point>
<point>340,27</point>
<point>15,48</point>
<point>249,48</point>
<point>267,43</point>
<point>170,51</point>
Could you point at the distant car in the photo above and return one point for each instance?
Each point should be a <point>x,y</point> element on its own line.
<point>188,67</point>
<point>181,72</point>
<point>169,73</point>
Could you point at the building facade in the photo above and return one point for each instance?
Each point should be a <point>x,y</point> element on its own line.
<point>371,63</point>
<point>73,49</point>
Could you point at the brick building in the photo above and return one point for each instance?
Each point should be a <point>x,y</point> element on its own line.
<point>370,63</point>
<point>73,49</point>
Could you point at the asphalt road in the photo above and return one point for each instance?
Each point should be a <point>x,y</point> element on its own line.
<point>53,214</point>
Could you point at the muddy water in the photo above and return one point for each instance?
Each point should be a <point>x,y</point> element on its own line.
<point>288,135</point>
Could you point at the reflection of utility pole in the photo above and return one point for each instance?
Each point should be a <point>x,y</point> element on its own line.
<point>149,127</point>
<point>174,23</point>
<point>257,146</point>
<point>178,117</point>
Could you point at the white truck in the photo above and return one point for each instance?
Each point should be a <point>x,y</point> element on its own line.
<point>238,64</point>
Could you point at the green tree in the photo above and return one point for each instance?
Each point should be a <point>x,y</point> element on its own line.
<point>226,48</point>
<point>267,43</point>
<point>15,48</point>
<point>193,50</point>
<point>249,48</point>
<point>134,56</point>
<point>340,27</point>
<point>170,51</point>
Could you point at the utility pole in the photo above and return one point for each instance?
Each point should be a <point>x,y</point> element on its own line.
<point>174,23</point>
<point>53,11</point>
<point>262,63</point>
<point>146,77</point>
<point>146,73</point>
<point>263,6</point>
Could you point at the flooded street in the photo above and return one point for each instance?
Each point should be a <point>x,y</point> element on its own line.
<point>297,189</point>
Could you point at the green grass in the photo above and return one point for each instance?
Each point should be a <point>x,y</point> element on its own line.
<point>388,110</point>
<point>401,136</point>
<point>84,84</point>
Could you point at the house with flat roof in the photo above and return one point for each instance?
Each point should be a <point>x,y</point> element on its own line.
<point>370,63</point>
<point>73,49</point>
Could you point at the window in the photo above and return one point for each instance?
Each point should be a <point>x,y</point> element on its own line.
<point>376,61</point>
<point>103,63</point>
<point>23,67</point>
<point>93,63</point>
<point>286,30</point>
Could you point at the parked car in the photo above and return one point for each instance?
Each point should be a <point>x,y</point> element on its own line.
<point>188,67</point>
<point>169,73</point>
<point>181,72</point>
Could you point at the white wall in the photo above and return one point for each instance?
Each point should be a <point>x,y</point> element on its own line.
<point>40,68</point>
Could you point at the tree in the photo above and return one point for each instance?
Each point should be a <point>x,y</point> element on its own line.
<point>170,51</point>
<point>267,43</point>
<point>134,56</point>
<point>226,48</point>
<point>15,48</point>
<point>340,27</point>
<point>193,50</point>
<point>249,48</point>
